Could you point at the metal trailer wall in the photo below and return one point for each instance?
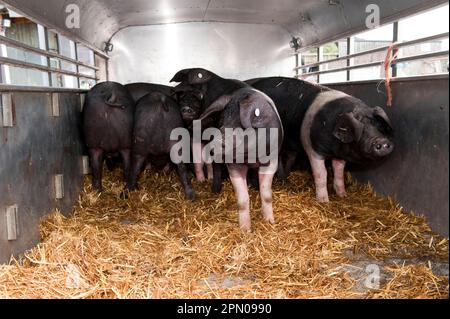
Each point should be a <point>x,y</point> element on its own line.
<point>417,173</point>
<point>232,50</point>
<point>38,147</point>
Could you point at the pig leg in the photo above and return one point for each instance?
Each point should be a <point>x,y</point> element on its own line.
<point>290,161</point>
<point>238,176</point>
<point>281,173</point>
<point>320,177</point>
<point>166,168</point>
<point>126,159</point>
<point>338,181</point>
<point>210,170</point>
<point>198,161</point>
<point>265,191</point>
<point>137,164</point>
<point>185,181</point>
<point>217,178</point>
<point>96,156</point>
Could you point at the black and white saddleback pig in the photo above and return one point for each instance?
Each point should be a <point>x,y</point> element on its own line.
<point>327,125</point>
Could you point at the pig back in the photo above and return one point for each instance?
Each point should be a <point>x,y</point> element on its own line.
<point>157,115</point>
<point>105,126</point>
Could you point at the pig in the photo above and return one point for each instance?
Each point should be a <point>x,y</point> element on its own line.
<point>232,104</point>
<point>156,116</point>
<point>327,125</point>
<point>107,126</point>
<point>198,83</point>
<point>140,89</point>
<point>190,102</point>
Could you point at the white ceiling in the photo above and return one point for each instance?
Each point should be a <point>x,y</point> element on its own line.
<point>313,21</point>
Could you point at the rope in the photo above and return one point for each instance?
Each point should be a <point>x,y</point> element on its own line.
<point>390,57</point>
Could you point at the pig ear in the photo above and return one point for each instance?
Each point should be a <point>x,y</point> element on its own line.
<point>113,101</point>
<point>192,76</point>
<point>181,76</point>
<point>198,94</point>
<point>164,103</point>
<point>348,129</point>
<point>380,114</point>
<point>217,106</point>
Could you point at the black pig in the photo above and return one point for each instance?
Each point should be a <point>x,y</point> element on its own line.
<point>327,124</point>
<point>107,126</point>
<point>140,89</point>
<point>156,116</point>
<point>191,107</point>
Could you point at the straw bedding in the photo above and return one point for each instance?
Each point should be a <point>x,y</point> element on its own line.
<point>155,244</point>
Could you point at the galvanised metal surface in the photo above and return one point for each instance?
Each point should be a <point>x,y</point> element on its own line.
<point>232,50</point>
<point>314,21</point>
<point>417,173</point>
<point>38,147</point>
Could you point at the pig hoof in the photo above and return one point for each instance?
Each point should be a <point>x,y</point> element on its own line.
<point>190,195</point>
<point>341,194</point>
<point>245,224</point>
<point>246,228</point>
<point>323,199</point>
<point>216,189</point>
<point>269,219</point>
<point>201,179</point>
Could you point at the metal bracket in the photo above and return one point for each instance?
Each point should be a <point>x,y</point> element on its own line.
<point>82,99</point>
<point>55,105</point>
<point>7,110</point>
<point>59,186</point>
<point>12,218</point>
<point>85,164</point>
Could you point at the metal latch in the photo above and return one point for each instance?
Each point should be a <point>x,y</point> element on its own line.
<point>7,110</point>
<point>12,218</point>
<point>82,100</point>
<point>55,105</point>
<point>85,163</point>
<point>59,186</point>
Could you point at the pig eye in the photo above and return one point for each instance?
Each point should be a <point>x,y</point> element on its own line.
<point>257,112</point>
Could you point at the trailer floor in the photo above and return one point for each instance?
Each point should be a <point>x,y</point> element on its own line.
<point>156,244</point>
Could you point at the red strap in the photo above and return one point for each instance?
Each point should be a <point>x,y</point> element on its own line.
<point>390,57</point>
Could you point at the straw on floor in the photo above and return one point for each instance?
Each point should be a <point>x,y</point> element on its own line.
<point>156,244</point>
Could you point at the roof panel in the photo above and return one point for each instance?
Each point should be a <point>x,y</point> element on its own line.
<point>313,20</point>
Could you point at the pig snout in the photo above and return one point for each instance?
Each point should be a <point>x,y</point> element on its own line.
<point>382,147</point>
<point>187,110</point>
